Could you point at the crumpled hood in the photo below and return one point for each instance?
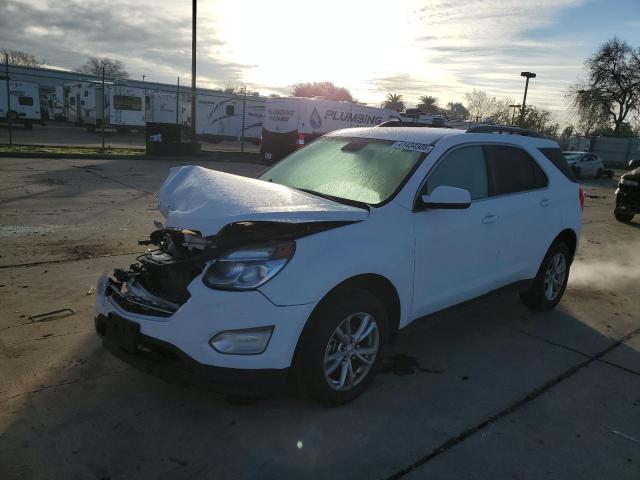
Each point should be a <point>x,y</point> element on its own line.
<point>632,174</point>
<point>204,200</point>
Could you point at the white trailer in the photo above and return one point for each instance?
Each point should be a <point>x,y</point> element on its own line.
<point>290,122</point>
<point>161,108</point>
<point>55,104</point>
<point>121,105</point>
<point>24,98</point>
<point>219,117</point>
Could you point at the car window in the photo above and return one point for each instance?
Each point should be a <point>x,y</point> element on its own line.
<point>559,161</point>
<point>512,170</point>
<point>463,168</point>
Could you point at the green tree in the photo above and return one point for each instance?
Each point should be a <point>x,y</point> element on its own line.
<point>394,101</point>
<point>457,111</point>
<point>321,89</point>
<point>429,105</point>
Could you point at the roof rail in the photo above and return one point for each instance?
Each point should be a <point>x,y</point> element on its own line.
<point>401,123</point>
<point>504,129</point>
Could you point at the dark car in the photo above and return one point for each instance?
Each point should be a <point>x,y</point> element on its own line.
<point>628,193</point>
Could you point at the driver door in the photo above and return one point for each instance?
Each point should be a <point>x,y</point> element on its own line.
<point>456,250</point>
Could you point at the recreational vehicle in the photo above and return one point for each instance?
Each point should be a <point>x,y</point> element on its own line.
<point>55,104</point>
<point>220,117</point>
<point>161,108</point>
<point>291,122</point>
<point>24,99</point>
<point>121,105</point>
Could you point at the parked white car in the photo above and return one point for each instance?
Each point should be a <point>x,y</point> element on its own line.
<point>312,268</point>
<point>584,164</point>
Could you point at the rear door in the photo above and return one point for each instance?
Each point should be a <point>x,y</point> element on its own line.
<point>526,209</point>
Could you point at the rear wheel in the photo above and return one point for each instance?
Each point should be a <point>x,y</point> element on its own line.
<point>624,217</point>
<point>599,173</point>
<point>551,281</point>
<point>343,347</point>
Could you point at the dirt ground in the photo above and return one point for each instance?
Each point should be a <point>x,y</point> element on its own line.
<point>485,390</point>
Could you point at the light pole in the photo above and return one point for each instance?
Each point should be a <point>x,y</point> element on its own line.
<point>144,90</point>
<point>513,114</point>
<point>527,75</point>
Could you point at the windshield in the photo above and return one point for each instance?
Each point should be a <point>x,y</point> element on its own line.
<point>357,169</point>
<point>572,157</point>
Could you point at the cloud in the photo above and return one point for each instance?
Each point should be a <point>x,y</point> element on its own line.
<point>154,39</point>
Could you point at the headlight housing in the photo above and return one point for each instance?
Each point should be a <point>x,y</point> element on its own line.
<point>629,182</point>
<point>248,268</point>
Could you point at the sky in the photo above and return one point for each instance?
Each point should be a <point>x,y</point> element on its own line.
<point>442,48</point>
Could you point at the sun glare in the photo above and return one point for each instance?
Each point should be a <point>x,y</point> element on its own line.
<point>347,42</point>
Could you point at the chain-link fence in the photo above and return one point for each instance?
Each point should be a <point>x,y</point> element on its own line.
<point>74,112</point>
<point>615,152</point>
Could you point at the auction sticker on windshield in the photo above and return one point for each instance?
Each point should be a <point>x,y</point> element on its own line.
<point>413,147</point>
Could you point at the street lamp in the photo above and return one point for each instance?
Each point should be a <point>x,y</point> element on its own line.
<point>527,75</point>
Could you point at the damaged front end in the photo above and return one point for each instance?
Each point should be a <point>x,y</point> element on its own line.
<point>157,284</point>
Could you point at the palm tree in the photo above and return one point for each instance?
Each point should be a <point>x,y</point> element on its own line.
<point>428,104</point>
<point>394,101</point>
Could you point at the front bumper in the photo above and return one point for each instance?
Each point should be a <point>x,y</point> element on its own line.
<point>165,361</point>
<point>179,343</point>
<point>627,200</point>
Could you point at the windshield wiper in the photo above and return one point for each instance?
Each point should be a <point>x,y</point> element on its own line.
<point>344,201</point>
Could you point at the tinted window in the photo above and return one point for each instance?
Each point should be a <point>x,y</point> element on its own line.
<point>463,168</point>
<point>26,101</point>
<point>559,161</point>
<point>230,109</point>
<point>512,170</point>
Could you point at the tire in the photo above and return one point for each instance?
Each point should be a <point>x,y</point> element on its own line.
<point>322,348</point>
<point>540,295</point>
<point>599,173</point>
<point>623,217</point>
<point>576,172</point>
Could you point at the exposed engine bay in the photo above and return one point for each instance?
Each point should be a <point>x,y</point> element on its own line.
<point>157,284</point>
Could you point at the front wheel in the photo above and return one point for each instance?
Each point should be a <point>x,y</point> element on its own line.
<point>599,173</point>
<point>551,281</point>
<point>344,346</point>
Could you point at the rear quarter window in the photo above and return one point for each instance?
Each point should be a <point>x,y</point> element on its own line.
<point>512,170</point>
<point>555,156</point>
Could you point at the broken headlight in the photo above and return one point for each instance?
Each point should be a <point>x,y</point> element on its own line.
<point>248,268</point>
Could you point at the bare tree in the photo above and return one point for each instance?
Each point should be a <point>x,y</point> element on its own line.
<point>18,57</point>
<point>321,89</point>
<point>611,93</point>
<point>429,105</point>
<point>480,104</point>
<point>394,101</point>
<point>112,68</point>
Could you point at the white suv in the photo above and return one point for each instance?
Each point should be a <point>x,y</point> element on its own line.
<point>313,267</point>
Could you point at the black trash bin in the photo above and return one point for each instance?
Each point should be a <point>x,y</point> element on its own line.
<point>168,135</point>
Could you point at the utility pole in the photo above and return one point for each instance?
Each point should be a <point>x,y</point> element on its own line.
<point>194,14</point>
<point>144,89</point>
<point>244,111</point>
<point>6,69</point>
<point>527,75</point>
<point>104,100</point>
<point>178,102</point>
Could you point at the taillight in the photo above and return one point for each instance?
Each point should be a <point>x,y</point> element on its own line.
<point>300,141</point>
<point>582,197</point>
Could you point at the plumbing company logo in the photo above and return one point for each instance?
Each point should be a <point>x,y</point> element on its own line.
<point>315,121</point>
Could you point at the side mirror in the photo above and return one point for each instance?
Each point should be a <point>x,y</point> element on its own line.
<point>446,197</point>
<point>633,164</point>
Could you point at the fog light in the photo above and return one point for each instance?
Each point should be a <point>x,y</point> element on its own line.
<point>250,341</point>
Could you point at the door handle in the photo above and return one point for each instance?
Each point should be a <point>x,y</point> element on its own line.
<point>544,202</point>
<point>490,218</point>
